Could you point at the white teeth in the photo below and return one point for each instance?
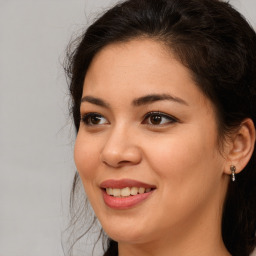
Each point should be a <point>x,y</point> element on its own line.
<point>109,191</point>
<point>141,190</point>
<point>125,192</point>
<point>117,192</point>
<point>134,191</point>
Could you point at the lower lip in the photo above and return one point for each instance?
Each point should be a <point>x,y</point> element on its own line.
<point>121,203</point>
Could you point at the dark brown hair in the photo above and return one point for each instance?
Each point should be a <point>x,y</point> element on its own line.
<point>219,47</point>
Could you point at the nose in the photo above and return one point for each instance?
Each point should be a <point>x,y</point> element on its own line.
<point>121,149</point>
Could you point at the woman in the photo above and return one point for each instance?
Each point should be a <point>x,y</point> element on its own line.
<point>164,103</point>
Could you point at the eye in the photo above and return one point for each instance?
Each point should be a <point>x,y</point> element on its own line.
<point>92,119</point>
<point>158,118</point>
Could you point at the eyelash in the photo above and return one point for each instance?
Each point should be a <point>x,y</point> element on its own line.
<point>162,115</point>
<point>87,119</point>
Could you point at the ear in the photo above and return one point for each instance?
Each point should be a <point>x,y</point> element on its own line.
<point>241,146</point>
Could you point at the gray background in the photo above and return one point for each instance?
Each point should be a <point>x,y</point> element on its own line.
<point>36,136</point>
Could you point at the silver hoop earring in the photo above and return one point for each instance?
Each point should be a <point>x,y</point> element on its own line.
<point>233,172</point>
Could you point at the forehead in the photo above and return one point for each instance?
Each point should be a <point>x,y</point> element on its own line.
<point>138,67</point>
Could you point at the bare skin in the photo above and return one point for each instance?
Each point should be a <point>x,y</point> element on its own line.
<point>170,142</point>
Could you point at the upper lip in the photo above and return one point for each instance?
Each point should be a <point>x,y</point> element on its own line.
<point>123,183</point>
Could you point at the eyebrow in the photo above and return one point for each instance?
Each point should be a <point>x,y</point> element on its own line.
<point>151,98</point>
<point>144,100</point>
<point>95,101</point>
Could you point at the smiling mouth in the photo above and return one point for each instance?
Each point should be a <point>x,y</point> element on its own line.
<point>125,194</point>
<point>128,191</point>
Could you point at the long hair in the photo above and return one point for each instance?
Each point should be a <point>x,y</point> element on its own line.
<point>218,46</point>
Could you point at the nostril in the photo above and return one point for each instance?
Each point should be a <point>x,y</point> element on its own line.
<point>120,155</point>
<point>119,164</point>
<point>123,162</point>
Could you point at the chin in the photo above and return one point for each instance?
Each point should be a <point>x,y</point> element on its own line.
<point>126,237</point>
<point>125,232</point>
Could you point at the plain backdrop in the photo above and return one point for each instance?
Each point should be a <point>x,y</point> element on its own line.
<point>36,135</point>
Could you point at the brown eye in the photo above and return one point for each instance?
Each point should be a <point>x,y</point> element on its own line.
<point>158,119</point>
<point>155,119</point>
<point>92,119</point>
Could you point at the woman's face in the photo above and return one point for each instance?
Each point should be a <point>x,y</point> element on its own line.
<point>147,149</point>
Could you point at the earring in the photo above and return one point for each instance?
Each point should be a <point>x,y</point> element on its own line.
<point>233,172</point>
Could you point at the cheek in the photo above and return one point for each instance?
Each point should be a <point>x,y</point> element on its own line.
<point>175,156</point>
<point>186,162</point>
<point>185,168</point>
<point>85,156</point>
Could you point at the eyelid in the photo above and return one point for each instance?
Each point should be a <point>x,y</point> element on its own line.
<point>84,118</point>
<point>171,118</point>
